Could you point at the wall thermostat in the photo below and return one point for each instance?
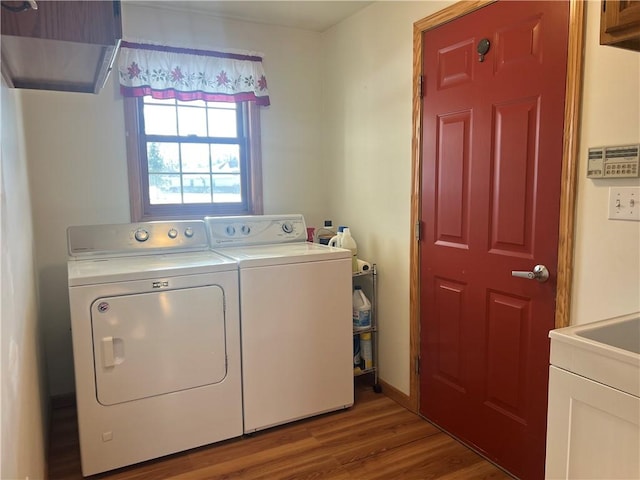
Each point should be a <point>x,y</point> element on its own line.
<point>614,162</point>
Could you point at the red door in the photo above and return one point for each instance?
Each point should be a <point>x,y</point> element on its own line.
<point>491,164</point>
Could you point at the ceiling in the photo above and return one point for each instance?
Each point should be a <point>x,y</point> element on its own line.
<point>308,15</point>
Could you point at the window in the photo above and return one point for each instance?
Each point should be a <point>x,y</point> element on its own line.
<point>188,159</point>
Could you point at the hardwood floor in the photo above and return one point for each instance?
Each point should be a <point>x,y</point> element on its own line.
<point>375,439</point>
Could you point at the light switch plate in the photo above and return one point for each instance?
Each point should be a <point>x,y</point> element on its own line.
<point>624,203</point>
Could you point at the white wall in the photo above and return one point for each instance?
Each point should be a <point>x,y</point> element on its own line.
<point>78,175</point>
<point>606,280</point>
<point>24,397</point>
<point>368,110</point>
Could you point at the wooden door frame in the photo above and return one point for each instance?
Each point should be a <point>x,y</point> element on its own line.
<point>573,91</point>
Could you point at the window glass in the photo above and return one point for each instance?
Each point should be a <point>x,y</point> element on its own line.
<point>163,157</point>
<point>222,122</point>
<point>196,188</point>
<point>160,101</point>
<point>225,158</point>
<point>196,103</point>
<point>160,120</point>
<point>164,189</point>
<point>226,188</point>
<point>192,121</point>
<point>195,157</point>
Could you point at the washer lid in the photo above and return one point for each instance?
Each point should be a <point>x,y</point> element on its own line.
<point>119,269</point>
<point>281,254</point>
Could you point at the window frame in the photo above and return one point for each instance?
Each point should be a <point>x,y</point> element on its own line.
<point>140,206</point>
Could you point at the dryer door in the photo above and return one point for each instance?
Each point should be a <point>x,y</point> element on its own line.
<point>156,343</point>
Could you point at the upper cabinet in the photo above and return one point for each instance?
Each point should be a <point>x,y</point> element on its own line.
<point>620,24</point>
<point>63,45</point>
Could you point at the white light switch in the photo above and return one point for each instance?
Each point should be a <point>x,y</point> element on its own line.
<point>624,203</point>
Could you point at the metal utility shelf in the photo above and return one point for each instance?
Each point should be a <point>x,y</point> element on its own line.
<point>368,280</point>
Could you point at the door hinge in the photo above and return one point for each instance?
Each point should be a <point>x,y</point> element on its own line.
<point>417,366</point>
<point>418,230</point>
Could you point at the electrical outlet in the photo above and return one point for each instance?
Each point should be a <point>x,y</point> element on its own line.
<point>624,203</point>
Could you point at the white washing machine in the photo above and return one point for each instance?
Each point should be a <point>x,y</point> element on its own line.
<point>296,318</point>
<point>156,341</point>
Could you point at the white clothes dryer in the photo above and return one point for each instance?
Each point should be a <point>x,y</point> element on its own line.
<point>296,318</point>
<point>156,341</point>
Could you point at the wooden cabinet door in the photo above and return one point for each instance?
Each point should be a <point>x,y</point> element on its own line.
<point>95,22</point>
<point>63,45</point>
<point>620,24</point>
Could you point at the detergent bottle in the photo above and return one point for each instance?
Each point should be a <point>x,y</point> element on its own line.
<point>350,244</point>
<point>336,241</point>
<point>361,309</point>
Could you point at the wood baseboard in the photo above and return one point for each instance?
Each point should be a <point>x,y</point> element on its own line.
<point>69,399</point>
<point>396,395</point>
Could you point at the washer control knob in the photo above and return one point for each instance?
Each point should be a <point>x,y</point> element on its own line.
<point>287,227</point>
<point>246,229</point>
<point>188,232</point>
<point>231,230</point>
<point>141,235</point>
<point>173,233</point>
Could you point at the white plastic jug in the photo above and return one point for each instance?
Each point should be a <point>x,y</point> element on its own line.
<point>336,241</point>
<point>350,244</point>
<point>361,309</point>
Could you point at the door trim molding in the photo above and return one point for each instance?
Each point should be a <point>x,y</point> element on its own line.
<point>573,91</point>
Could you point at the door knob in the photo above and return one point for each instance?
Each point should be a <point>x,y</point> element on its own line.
<point>539,273</point>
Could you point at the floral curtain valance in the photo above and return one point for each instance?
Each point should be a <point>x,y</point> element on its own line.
<point>188,74</point>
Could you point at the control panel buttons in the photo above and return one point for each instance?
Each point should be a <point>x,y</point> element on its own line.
<point>287,227</point>
<point>256,229</point>
<point>188,232</point>
<point>141,235</point>
<point>173,233</point>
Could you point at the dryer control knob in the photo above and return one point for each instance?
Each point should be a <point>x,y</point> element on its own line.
<point>173,233</point>
<point>231,230</point>
<point>246,229</point>
<point>188,232</point>
<point>141,235</point>
<point>287,227</point>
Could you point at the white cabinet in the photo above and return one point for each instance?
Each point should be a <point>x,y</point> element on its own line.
<point>593,420</point>
<point>593,430</point>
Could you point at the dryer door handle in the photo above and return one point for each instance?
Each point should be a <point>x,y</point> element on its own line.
<point>108,357</point>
